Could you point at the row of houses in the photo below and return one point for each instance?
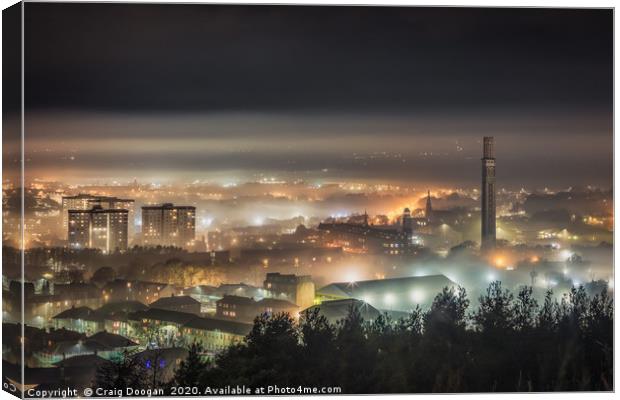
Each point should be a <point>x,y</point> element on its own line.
<point>103,344</point>
<point>154,327</point>
<point>41,305</point>
<point>45,300</point>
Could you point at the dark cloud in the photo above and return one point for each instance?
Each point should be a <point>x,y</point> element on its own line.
<point>205,57</point>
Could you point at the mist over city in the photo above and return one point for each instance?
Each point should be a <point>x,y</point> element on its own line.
<point>208,189</point>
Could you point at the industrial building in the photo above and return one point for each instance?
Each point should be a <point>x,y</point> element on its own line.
<point>397,294</point>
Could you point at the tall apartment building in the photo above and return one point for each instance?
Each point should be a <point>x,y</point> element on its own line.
<point>98,228</point>
<point>168,225</point>
<point>87,201</point>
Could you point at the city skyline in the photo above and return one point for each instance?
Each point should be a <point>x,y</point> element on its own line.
<point>307,200</point>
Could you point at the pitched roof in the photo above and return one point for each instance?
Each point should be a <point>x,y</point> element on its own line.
<point>270,302</point>
<point>159,314</point>
<point>122,284</point>
<point>174,301</point>
<point>334,289</point>
<point>231,299</point>
<point>79,347</point>
<point>212,324</point>
<point>200,290</point>
<point>58,335</point>
<point>351,289</point>
<point>336,310</point>
<point>85,313</point>
<point>111,340</point>
<point>121,306</point>
<point>397,294</point>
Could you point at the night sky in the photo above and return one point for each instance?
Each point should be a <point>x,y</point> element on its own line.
<point>183,92</point>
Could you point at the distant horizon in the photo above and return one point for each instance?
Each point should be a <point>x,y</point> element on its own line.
<point>318,93</point>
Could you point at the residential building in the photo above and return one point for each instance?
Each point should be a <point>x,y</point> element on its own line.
<point>215,335</point>
<point>178,303</point>
<point>80,319</point>
<point>98,228</point>
<point>84,201</point>
<point>168,225</point>
<point>141,291</point>
<point>173,328</point>
<point>245,309</point>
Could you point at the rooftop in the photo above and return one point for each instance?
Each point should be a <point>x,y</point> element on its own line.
<point>84,313</point>
<point>174,301</point>
<point>121,307</point>
<point>111,340</point>
<point>337,310</point>
<point>394,284</point>
<point>212,324</point>
<point>270,302</point>
<point>159,314</point>
<point>232,299</point>
<point>397,294</point>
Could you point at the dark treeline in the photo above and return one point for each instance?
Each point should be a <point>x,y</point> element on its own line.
<point>510,343</point>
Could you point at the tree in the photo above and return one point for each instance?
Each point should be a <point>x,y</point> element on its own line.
<point>494,314</point>
<point>444,345</point>
<point>547,315</point>
<point>599,340</point>
<point>524,310</point>
<point>318,347</point>
<point>508,344</point>
<point>190,371</point>
<point>356,366</point>
<point>271,353</point>
<point>125,371</point>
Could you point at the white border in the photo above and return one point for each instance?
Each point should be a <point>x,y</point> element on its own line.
<point>479,3</point>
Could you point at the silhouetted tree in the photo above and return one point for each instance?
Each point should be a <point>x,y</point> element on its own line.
<point>190,371</point>
<point>509,343</point>
<point>124,371</point>
<point>318,347</point>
